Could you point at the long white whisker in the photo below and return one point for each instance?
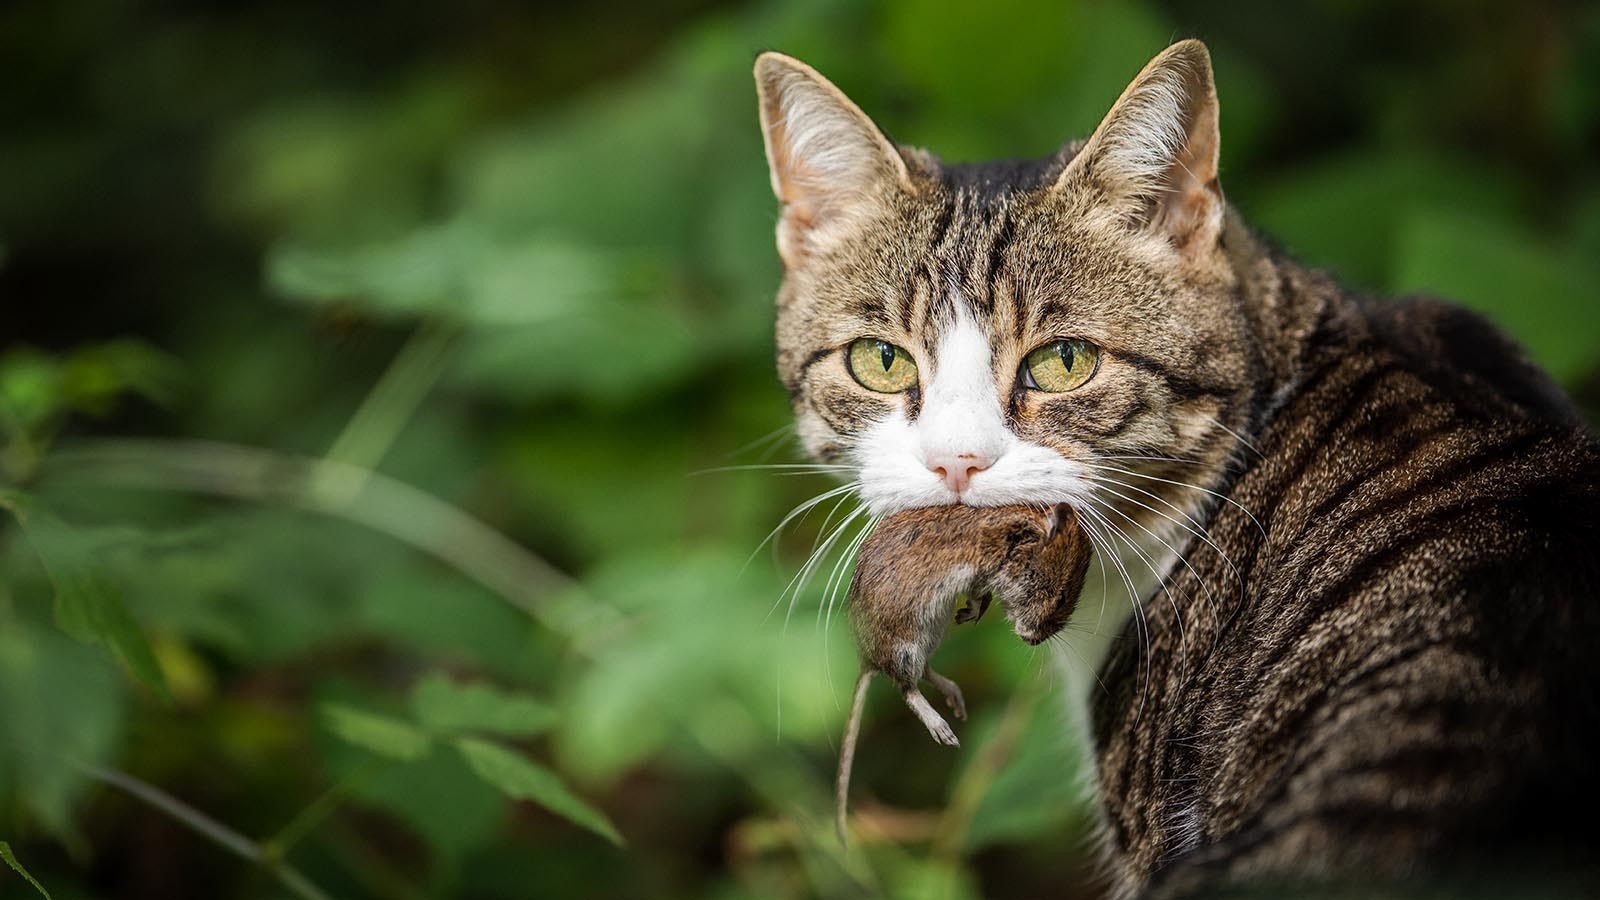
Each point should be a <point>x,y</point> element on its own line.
<point>1161,581</point>
<point>799,512</point>
<point>1180,557</point>
<point>1194,527</point>
<point>1236,435</point>
<point>770,437</point>
<point>781,468</point>
<point>1183,484</point>
<point>1092,523</point>
<point>1104,484</point>
<point>830,590</point>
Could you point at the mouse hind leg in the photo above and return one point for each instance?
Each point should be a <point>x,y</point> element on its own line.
<point>950,690</point>
<point>935,723</point>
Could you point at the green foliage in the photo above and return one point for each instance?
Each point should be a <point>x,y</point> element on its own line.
<point>523,779</point>
<point>380,734</point>
<point>430,344</point>
<point>11,860</point>
<point>444,705</point>
<point>88,605</point>
<point>450,712</point>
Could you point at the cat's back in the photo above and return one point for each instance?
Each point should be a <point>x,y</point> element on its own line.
<point>1401,677</point>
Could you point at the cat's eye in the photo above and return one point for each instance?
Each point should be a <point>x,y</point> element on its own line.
<point>1060,366</point>
<point>880,366</point>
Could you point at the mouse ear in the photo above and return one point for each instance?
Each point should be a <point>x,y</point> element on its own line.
<point>1056,519</point>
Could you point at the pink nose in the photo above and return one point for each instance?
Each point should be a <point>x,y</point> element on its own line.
<point>957,469</point>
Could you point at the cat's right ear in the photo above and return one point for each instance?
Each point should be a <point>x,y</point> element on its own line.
<point>1154,158</point>
<point>829,162</point>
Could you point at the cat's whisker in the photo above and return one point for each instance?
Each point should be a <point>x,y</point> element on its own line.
<point>1211,595</point>
<point>1109,485</point>
<point>1092,523</point>
<point>768,442</point>
<point>1236,435</point>
<point>831,587</point>
<point>780,468</point>
<point>1184,484</point>
<point>836,577</point>
<point>1059,639</point>
<point>1142,457</point>
<point>802,578</point>
<point>1161,581</point>
<point>798,512</point>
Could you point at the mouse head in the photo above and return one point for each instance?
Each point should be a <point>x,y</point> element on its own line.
<point>1043,573</point>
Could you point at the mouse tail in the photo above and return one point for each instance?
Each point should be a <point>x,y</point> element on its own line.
<point>847,756</point>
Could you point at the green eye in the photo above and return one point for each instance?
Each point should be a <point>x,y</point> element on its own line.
<point>881,366</point>
<point>1060,366</point>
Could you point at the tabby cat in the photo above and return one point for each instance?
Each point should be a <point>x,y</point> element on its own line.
<point>1377,523</point>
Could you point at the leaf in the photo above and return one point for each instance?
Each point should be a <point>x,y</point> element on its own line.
<point>445,705</point>
<point>11,860</point>
<point>523,779</point>
<point>382,735</point>
<point>1543,297</point>
<point>88,604</point>
<point>60,694</point>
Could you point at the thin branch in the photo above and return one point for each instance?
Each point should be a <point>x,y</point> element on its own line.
<point>314,813</point>
<point>209,828</point>
<point>980,776</point>
<point>379,419</point>
<point>359,495</point>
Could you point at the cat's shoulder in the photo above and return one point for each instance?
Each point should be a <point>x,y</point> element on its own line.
<point>1466,358</point>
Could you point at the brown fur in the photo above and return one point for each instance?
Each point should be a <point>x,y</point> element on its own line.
<point>1370,663</point>
<point>915,565</point>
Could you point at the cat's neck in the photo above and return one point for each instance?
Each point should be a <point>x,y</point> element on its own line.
<point>1287,303</point>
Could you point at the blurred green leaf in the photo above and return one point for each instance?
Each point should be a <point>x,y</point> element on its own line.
<point>1038,790</point>
<point>382,735</point>
<point>62,705</point>
<point>1347,212</point>
<point>88,603</point>
<point>523,779</point>
<point>1545,298</point>
<point>444,705</point>
<point>29,390</point>
<point>439,799</point>
<point>11,860</point>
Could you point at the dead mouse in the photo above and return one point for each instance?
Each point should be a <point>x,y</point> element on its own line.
<point>910,572</point>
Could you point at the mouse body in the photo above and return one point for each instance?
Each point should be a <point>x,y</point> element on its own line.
<point>914,568</point>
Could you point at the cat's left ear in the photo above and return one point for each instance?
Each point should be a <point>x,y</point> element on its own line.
<point>829,162</point>
<point>1153,159</point>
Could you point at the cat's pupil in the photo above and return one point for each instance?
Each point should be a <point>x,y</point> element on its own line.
<point>886,351</point>
<point>1065,350</point>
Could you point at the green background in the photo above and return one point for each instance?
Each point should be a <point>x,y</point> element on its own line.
<point>356,368</point>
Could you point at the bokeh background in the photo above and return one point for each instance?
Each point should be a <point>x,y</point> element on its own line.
<point>356,367</point>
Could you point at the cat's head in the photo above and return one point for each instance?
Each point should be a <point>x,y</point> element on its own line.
<point>1014,332</point>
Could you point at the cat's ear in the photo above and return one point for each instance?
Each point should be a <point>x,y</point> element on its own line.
<point>1154,157</point>
<point>828,160</point>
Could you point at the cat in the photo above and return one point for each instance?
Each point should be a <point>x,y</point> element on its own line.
<point>1379,522</point>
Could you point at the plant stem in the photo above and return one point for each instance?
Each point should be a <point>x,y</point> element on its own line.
<point>314,813</point>
<point>979,777</point>
<point>378,501</point>
<point>209,828</point>
<point>376,424</point>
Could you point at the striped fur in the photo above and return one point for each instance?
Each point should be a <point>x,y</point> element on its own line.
<point>1367,659</point>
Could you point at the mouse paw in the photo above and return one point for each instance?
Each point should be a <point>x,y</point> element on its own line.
<point>973,612</point>
<point>935,723</point>
<point>951,692</point>
<point>943,733</point>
